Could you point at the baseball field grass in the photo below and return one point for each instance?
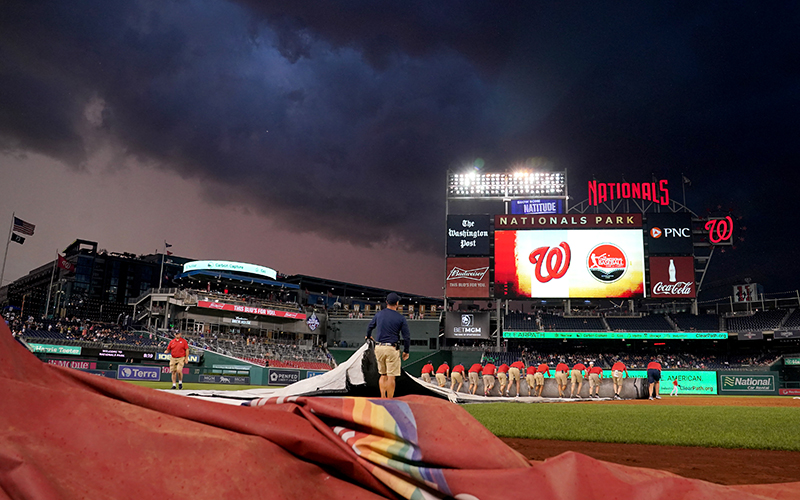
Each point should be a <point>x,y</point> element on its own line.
<point>752,427</point>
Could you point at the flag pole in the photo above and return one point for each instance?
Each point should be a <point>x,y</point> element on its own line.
<point>50,288</point>
<point>161,274</point>
<point>8,240</point>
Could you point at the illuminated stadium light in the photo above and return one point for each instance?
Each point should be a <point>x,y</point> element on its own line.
<point>514,184</point>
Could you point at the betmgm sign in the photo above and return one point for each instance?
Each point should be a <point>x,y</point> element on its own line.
<point>466,325</point>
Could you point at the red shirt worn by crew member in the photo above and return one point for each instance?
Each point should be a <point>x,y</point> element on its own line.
<point>427,368</point>
<point>596,369</point>
<point>476,368</point>
<point>654,365</point>
<point>458,369</point>
<point>488,369</point>
<point>502,368</point>
<point>177,347</point>
<point>531,370</point>
<point>443,368</point>
<point>579,366</point>
<point>518,364</point>
<point>562,367</point>
<point>543,368</point>
<point>619,366</point>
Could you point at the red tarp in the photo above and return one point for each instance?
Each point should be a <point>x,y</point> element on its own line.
<point>69,434</point>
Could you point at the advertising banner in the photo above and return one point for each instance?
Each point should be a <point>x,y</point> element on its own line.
<point>103,373</point>
<point>468,235</point>
<point>56,349</point>
<point>689,382</point>
<point>750,335</point>
<point>747,383</point>
<point>566,263</point>
<point>467,277</point>
<point>787,334</point>
<point>466,325</point>
<point>789,392</point>
<point>163,356</point>
<point>537,207</point>
<point>224,379</point>
<point>283,377</point>
<point>791,361</point>
<point>745,293</point>
<point>669,233</point>
<point>310,374</point>
<point>125,372</point>
<point>250,310</point>
<point>76,364</point>
<point>672,277</point>
<point>616,335</point>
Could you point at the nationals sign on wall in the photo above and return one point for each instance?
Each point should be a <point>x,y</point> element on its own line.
<point>467,277</point>
<point>569,263</point>
<point>672,277</point>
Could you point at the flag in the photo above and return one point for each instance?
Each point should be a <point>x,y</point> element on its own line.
<point>65,264</point>
<point>17,238</point>
<point>169,253</point>
<point>23,227</point>
<point>166,245</point>
<point>686,180</point>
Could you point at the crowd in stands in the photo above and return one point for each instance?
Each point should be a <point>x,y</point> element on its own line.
<point>74,330</point>
<point>265,352</point>
<point>670,361</point>
<point>273,301</point>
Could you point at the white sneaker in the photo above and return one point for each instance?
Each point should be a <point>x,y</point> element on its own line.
<point>658,397</point>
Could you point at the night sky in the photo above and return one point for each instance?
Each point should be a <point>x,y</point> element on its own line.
<point>315,137</point>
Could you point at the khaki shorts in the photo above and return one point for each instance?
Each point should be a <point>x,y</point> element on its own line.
<point>529,380</point>
<point>488,382</point>
<point>594,380</point>
<point>441,379</point>
<point>618,378</point>
<point>561,378</point>
<point>513,374</point>
<point>457,378</point>
<point>503,378</point>
<point>473,378</point>
<point>388,360</point>
<point>176,364</point>
<point>426,377</point>
<point>538,378</point>
<point>577,378</point>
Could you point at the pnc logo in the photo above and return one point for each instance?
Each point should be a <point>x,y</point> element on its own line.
<point>656,232</point>
<point>607,262</point>
<point>555,262</point>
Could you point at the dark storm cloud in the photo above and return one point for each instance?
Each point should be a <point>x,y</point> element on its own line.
<point>340,118</point>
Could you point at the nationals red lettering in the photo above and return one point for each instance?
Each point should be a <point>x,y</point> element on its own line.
<point>719,230</point>
<point>556,261</point>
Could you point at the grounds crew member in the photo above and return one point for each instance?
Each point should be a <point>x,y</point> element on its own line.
<point>426,372</point>
<point>529,378</point>
<point>457,378</point>
<point>561,378</point>
<point>577,379</point>
<point>595,378</point>
<point>502,378</point>
<point>618,374</point>
<point>489,371</point>
<point>390,325</point>
<point>178,350</point>
<point>538,378</point>
<point>442,373</point>
<point>474,376</point>
<point>514,376</point>
<point>654,378</point>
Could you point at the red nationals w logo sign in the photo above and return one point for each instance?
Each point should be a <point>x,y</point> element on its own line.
<point>555,260</point>
<point>719,230</point>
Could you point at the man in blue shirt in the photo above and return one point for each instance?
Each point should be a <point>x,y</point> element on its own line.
<point>390,325</point>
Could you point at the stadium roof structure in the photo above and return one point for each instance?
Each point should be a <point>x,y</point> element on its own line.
<point>203,275</point>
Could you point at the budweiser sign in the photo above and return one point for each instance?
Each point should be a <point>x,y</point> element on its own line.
<point>467,277</point>
<point>684,288</point>
<point>470,274</point>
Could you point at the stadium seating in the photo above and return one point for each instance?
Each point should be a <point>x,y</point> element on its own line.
<point>760,320</point>
<point>700,323</point>
<point>649,323</point>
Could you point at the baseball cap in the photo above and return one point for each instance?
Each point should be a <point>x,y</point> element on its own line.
<point>392,298</point>
<point>591,362</point>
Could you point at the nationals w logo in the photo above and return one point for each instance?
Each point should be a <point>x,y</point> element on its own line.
<point>555,261</point>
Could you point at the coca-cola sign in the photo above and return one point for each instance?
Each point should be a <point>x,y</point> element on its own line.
<point>467,277</point>
<point>672,277</point>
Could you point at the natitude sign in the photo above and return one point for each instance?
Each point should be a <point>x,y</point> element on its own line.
<point>672,277</point>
